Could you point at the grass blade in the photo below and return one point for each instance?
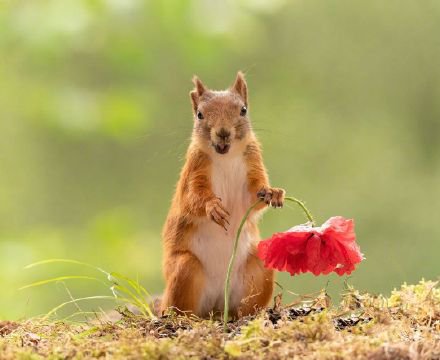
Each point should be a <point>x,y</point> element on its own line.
<point>139,302</point>
<point>68,261</point>
<point>97,297</point>
<point>134,284</point>
<point>61,278</point>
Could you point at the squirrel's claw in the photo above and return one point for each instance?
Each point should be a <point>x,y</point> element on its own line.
<point>272,196</point>
<point>216,212</point>
<point>261,194</point>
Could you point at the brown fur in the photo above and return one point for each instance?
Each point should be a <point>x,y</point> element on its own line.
<point>260,286</point>
<point>184,283</point>
<point>223,124</point>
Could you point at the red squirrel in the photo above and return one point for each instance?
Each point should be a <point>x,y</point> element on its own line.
<point>222,177</point>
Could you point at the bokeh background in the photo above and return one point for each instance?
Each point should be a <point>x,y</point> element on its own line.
<point>95,119</point>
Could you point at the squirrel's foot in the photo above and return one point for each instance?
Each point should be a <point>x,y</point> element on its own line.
<point>272,196</point>
<point>216,212</point>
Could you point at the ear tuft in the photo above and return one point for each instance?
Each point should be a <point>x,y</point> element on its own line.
<point>200,88</point>
<point>197,92</point>
<point>240,86</point>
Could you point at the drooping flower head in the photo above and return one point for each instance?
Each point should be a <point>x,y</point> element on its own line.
<point>319,250</point>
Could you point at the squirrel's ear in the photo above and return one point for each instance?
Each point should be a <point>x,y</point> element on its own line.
<point>240,86</point>
<point>197,92</point>
<point>199,87</point>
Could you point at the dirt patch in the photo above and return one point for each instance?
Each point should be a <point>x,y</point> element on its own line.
<point>6,327</point>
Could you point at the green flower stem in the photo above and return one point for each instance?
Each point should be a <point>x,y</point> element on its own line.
<point>234,250</point>
<point>303,207</point>
<point>231,264</point>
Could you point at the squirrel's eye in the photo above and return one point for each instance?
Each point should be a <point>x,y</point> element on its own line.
<point>243,111</point>
<point>199,115</point>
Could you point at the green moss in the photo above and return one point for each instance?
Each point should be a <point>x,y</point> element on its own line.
<point>363,325</point>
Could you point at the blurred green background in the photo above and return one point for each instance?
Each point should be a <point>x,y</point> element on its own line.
<point>95,119</point>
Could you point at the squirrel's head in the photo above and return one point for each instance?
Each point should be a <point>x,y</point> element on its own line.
<point>221,119</point>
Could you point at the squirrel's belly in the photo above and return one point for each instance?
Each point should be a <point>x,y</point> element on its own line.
<point>213,247</point>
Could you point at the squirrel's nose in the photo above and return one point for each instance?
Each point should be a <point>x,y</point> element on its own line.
<point>223,134</point>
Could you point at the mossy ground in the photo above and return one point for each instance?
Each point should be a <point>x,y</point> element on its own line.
<point>404,326</point>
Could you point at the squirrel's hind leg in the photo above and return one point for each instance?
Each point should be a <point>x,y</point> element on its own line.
<point>259,287</point>
<point>184,285</point>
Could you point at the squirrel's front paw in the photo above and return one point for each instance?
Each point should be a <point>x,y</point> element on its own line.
<point>272,196</point>
<point>216,212</point>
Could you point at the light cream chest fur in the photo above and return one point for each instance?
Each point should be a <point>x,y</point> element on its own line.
<point>213,245</point>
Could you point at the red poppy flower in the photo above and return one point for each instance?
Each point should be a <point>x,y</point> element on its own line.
<point>319,250</point>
